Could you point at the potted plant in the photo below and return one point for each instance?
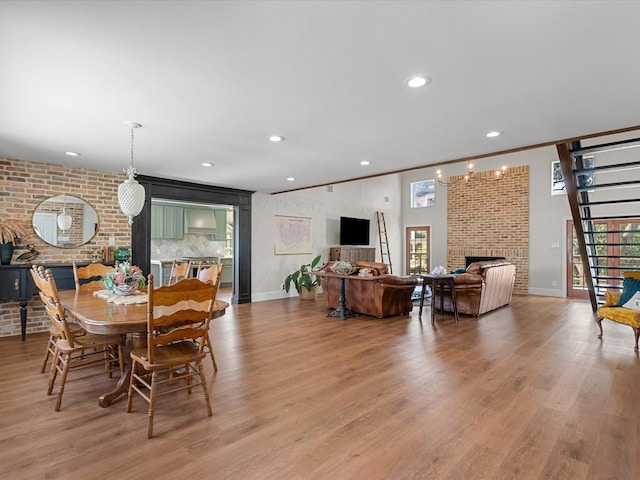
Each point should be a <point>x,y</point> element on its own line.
<point>10,233</point>
<point>124,279</point>
<point>304,280</point>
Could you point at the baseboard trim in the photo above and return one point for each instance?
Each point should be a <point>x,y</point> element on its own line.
<point>546,292</point>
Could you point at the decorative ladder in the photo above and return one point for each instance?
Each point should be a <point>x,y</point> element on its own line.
<point>384,240</point>
<point>599,185</point>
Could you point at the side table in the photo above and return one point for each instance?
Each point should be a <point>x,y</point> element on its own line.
<point>436,281</point>
<point>342,311</point>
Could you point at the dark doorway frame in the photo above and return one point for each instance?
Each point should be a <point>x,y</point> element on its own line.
<point>192,192</point>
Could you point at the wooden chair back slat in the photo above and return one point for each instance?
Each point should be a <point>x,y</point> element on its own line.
<point>48,291</point>
<point>89,278</point>
<point>179,311</point>
<point>211,274</point>
<point>179,271</point>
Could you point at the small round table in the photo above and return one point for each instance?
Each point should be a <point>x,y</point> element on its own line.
<point>443,281</point>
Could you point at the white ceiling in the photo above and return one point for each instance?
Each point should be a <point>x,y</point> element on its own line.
<point>209,81</point>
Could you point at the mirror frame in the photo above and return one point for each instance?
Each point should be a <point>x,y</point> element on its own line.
<point>47,228</point>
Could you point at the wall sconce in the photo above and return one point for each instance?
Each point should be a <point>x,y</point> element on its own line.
<point>130,193</point>
<point>499,175</point>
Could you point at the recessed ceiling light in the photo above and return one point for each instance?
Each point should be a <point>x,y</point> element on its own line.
<point>493,134</point>
<point>365,162</point>
<point>418,81</point>
<point>72,154</point>
<point>290,179</point>
<point>207,164</point>
<point>276,138</point>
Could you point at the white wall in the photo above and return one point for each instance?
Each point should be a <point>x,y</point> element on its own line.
<point>548,215</point>
<point>360,199</point>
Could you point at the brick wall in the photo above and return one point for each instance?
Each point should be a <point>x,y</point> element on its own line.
<point>23,186</point>
<point>490,218</point>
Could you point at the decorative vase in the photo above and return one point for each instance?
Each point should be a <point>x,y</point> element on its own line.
<point>124,289</point>
<point>122,254</point>
<point>6,252</point>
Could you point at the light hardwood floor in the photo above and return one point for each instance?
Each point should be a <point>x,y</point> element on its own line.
<point>525,392</point>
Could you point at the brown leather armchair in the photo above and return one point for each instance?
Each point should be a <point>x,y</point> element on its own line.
<point>379,295</point>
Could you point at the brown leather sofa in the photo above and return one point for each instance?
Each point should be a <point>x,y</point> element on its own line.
<point>380,295</point>
<point>484,286</point>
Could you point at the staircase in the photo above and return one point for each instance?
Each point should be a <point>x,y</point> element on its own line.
<point>601,183</point>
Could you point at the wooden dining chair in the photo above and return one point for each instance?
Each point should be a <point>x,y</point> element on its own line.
<point>86,279</point>
<point>89,278</point>
<point>210,275</point>
<point>73,352</point>
<point>177,324</point>
<point>179,271</point>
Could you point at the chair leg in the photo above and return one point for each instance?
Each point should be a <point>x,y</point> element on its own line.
<point>636,331</point>
<point>599,322</point>
<point>53,372</point>
<point>107,353</point>
<point>63,379</point>
<point>121,358</point>
<point>131,381</point>
<point>213,357</point>
<point>152,402</point>
<point>187,369</point>
<point>203,382</point>
<point>50,345</point>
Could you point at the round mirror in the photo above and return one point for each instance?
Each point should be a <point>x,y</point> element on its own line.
<point>65,221</point>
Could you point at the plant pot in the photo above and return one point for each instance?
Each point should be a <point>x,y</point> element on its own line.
<point>6,252</point>
<point>308,295</point>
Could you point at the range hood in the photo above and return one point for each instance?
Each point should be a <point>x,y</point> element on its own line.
<point>199,220</point>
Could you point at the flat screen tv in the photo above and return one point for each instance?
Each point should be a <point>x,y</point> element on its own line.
<point>354,231</point>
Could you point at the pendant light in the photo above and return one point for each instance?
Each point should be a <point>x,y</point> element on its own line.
<point>64,220</point>
<point>130,193</point>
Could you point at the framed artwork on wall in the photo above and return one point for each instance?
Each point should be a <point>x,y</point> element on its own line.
<point>293,235</point>
<point>423,194</point>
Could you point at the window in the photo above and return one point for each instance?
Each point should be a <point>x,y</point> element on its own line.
<point>423,194</point>
<point>417,248</point>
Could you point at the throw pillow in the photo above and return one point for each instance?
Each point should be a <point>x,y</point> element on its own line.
<point>634,302</point>
<point>629,287</point>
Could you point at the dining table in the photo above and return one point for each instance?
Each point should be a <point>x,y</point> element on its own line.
<point>100,316</point>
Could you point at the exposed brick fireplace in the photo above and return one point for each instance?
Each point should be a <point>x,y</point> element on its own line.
<point>490,219</point>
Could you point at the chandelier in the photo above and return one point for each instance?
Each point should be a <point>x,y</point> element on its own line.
<point>470,175</point>
<point>130,193</point>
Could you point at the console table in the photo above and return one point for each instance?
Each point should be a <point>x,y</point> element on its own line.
<point>16,284</point>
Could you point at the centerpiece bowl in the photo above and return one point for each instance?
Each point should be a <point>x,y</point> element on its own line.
<point>124,288</point>
<point>343,268</point>
<point>124,279</point>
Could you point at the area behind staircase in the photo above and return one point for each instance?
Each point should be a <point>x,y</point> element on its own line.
<point>602,183</point>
